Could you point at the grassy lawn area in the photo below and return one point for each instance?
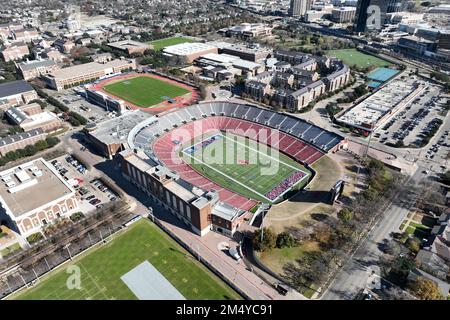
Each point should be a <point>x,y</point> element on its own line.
<point>162,43</point>
<point>144,91</point>
<point>10,249</point>
<point>102,267</point>
<point>354,57</point>
<point>245,166</point>
<point>275,259</point>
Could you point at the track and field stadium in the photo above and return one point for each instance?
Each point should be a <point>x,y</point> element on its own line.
<point>246,153</point>
<point>148,92</point>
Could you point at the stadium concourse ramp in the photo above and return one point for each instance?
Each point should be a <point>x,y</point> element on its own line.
<point>297,138</point>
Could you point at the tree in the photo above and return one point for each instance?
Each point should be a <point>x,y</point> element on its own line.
<point>285,239</point>
<point>345,215</point>
<point>426,289</point>
<point>413,244</point>
<point>269,240</point>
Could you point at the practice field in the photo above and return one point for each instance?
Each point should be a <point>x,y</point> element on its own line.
<point>245,166</point>
<point>354,57</point>
<point>102,269</point>
<point>162,43</point>
<point>144,91</point>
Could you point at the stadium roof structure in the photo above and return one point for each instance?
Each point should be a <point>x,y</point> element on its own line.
<point>12,88</point>
<point>116,130</point>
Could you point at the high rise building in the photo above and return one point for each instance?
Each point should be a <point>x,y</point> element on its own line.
<point>298,8</point>
<point>395,6</point>
<point>365,21</point>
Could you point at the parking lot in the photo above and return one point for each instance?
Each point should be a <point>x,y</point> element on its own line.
<point>91,192</point>
<point>79,104</point>
<point>419,119</point>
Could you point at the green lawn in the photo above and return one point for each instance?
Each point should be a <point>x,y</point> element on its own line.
<point>101,269</point>
<point>244,166</point>
<point>162,43</point>
<point>354,57</point>
<point>144,91</point>
<point>12,248</point>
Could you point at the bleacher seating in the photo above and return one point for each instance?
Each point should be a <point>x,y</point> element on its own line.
<point>295,137</point>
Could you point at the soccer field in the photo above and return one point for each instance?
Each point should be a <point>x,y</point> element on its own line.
<point>245,166</point>
<point>144,91</point>
<point>354,57</point>
<point>162,43</point>
<point>101,269</point>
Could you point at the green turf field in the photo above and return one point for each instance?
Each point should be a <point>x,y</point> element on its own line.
<point>238,164</point>
<point>354,57</point>
<point>101,269</point>
<point>144,91</point>
<point>162,43</point>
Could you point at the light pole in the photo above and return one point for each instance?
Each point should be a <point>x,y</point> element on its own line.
<point>67,247</point>
<point>262,226</point>
<point>151,214</point>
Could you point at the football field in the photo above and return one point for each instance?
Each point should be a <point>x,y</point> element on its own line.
<point>101,269</point>
<point>144,91</point>
<point>246,167</point>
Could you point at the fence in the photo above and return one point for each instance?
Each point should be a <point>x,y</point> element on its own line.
<point>28,270</point>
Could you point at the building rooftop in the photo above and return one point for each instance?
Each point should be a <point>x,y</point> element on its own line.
<point>188,48</point>
<point>86,68</point>
<point>116,130</point>
<point>14,87</point>
<point>129,44</point>
<point>226,211</point>
<point>20,136</point>
<point>30,65</point>
<point>31,185</point>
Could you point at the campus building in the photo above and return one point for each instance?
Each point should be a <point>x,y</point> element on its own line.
<point>15,51</point>
<point>33,195</point>
<point>88,72</point>
<point>36,68</point>
<point>111,136</point>
<point>292,81</point>
<point>20,140</point>
<point>16,93</point>
<point>188,52</point>
<point>31,116</point>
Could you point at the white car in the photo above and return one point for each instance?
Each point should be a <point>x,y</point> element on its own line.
<point>234,253</point>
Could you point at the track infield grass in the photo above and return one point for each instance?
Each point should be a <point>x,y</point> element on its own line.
<point>102,267</point>
<point>162,43</point>
<point>144,91</point>
<point>244,166</point>
<point>353,57</point>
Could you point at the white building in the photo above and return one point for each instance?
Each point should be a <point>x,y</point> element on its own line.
<point>32,195</point>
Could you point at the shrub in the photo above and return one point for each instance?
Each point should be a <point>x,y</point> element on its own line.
<point>77,216</point>
<point>285,239</point>
<point>268,242</point>
<point>35,237</point>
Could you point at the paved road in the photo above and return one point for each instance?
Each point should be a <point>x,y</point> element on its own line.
<point>353,276</point>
